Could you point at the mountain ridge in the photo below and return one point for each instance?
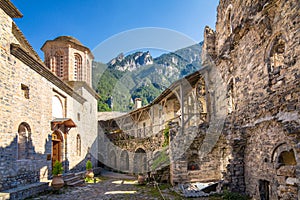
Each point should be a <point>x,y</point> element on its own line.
<point>139,75</point>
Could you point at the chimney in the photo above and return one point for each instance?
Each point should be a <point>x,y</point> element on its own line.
<point>137,103</point>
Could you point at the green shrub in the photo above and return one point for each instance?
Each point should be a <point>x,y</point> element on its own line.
<point>166,136</point>
<point>234,196</point>
<point>57,168</point>
<point>89,165</point>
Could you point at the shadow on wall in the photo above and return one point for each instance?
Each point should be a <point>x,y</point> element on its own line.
<point>90,155</point>
<point>20,164</point>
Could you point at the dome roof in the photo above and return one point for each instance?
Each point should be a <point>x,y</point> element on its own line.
<point>68,39</point>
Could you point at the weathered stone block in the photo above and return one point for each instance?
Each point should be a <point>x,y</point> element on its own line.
<point>287,171</point>
<point>292,181</point>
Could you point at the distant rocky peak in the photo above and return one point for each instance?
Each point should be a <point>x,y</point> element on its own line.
<point>120,57</point>
<point>131,62</point>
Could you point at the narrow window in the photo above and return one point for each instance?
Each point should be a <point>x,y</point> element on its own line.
<point>59,65</point>
<point>47,62</point>
<point>78,145</point>
<point>88,70</point>
<point>230,96</point>
<point>228,20</point>
<point>78,68</point>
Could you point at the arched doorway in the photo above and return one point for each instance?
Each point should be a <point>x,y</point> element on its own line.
<point>57,147</point>
<point>24,141</point>
<point>140,161</point>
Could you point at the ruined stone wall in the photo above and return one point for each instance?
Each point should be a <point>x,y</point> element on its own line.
<point>193,166</point>
<point>144,128</point>
<point>111,151</point>
<point>256,49</point>
<point>261,161</point>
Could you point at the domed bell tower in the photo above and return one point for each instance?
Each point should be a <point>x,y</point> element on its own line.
<point>68,59</point>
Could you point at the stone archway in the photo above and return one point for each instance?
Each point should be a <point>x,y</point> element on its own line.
<point>57,147</point>
<point>124,161</point>
<point>24,141</point>
<point>285,163</point>
<point>140,161</point>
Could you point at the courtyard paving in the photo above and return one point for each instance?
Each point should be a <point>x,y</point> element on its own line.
<point>113,186</point>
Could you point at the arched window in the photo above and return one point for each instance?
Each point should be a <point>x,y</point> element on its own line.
<point>193,161</point>
<point>276,58</point>
<point>78,145</point>
<point>57,107</point>
<point>193,166</point>
<point>59,65</point>
<point>24,137</point>
<point>77,67</point>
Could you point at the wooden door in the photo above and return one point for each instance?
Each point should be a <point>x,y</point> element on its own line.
<point>55,151</point>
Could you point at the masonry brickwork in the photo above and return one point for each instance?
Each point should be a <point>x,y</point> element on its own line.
<point>256,48</point>
<point>28,110</point>
<point>237,121</point>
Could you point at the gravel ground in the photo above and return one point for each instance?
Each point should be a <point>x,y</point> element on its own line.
<point>112,186</point>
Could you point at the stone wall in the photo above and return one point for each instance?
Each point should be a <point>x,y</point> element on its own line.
<point>15,109</point>
<point>256,48</point>
<point>193,165</point>
<point>85,117</point>
<point>26,115</point>
<point>112,152</point>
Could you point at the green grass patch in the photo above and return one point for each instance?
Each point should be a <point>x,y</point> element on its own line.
<point>95,179</point>
<point>234,196</point>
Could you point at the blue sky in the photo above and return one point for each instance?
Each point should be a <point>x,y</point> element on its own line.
<point>94,21</point>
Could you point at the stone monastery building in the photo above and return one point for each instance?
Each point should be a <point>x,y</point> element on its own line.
<point>48,110</point>
<point>235,121</point>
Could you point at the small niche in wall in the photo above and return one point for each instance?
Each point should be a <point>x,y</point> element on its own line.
<point>193,166</point>
<point>25,89</point>
<point>78,116</point>
<point>287,158</point>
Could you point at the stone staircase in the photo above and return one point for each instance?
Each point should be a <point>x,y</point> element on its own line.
<point>25,191</point>
<point>74,179</point>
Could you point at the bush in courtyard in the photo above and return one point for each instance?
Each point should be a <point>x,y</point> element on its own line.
<point>88,165</point>
<point>57,168</point>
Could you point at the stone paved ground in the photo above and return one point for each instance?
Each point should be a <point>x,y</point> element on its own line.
<point>112,187</point>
